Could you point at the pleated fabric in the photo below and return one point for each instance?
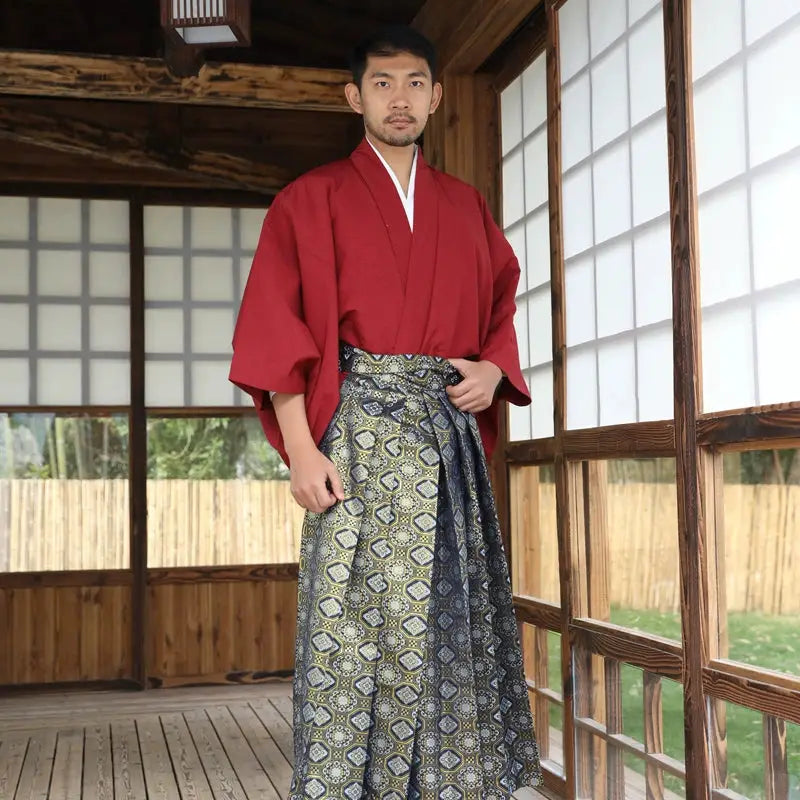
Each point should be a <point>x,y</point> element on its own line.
<point>409,681</point>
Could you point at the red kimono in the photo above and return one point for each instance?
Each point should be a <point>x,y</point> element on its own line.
<point>337,260</point>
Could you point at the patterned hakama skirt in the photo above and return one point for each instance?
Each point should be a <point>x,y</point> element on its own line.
<point>409,680</point>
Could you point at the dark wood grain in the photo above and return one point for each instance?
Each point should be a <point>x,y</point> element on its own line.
<point>635,440</point>
<point>536,451</point>
<point>244,573</point>
<point>747,429</point>
<point>537,612</point>
<point>646,651</point>
<point>776,764</point>
<point>687,388</point>
<point>149,79</point>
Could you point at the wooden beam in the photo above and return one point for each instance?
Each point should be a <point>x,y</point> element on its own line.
<point>688,389</point>
<point>149,80</point>
<point>466,32</point>
<point>135,149</point>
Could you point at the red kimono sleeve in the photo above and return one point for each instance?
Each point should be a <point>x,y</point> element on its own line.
<point>500,344</point>
<point>282,341</point>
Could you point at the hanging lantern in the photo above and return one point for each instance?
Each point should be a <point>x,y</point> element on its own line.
<point>207,23</point>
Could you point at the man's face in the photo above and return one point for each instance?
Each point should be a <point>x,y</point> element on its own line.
<point>396,97</point>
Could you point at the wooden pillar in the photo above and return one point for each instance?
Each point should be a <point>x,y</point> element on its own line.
<point>688,393</point>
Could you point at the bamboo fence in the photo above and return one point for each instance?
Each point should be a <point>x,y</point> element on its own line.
<point>80,525</point>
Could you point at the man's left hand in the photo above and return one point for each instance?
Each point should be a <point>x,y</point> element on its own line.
<point>476,392</point>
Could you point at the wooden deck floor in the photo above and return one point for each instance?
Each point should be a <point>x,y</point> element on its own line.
<point>178,744</point>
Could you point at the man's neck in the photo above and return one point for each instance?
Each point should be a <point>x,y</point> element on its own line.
<point>399,159</point>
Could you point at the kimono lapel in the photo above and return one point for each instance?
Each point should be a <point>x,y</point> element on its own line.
<point>423,259</point>
<point>388,204</point>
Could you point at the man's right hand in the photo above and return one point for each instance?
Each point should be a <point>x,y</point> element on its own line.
<point>311,476</point>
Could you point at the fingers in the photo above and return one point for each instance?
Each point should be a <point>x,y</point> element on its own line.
<point>336,482</point>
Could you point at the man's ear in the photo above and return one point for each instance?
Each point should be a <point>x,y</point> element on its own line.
<point>436,96</point>
<point>353,95</point>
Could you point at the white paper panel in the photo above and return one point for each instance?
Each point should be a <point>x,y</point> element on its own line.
<point>59,273</point>
<point>516,238</point>
<point>728,376</point>
<point>109,382</point>
<point>573,31</point>
<point>614,270</point>
<point>646,65</point>
<point>212,278</point>
<point>519,422</point>
<point>513,189</point>
<point>580,300</point>
<point>716,33</point>
<point>778,332</point>
<point>773,93</point>
<point>14,272</point>
<point>59,382</point>
<point>244,272</point>
<point>163,383</point>
<point>59,327</point>
<point>251,220</point>
<point>724,246</point>
<point>577,216</point>
<point>14,219</point>
<point>163,226</point>
<point>581,389</point>
<point>654,361</point>
<point>109,222</point>
<point>14,326</point>
<point>521,328</point>
<point>163,278</point>
<point>163,330</point>
<point>14,381</point>
<point>511,115</point>
<point>653,270</point>
<point>719,128</point>
<point>534,93</point>
<point>212,330</point>
<point>109,274</point>
<point>650,171</point>
<point>762,17</point>
<point>576,122</point>
<point>210,384</point>
<point>109,328</point>
<point>542,401</point>
<point>536,171</point>
<point>776,224</point>
<point>537,235</point>
<point>540,327</point>
<point>606,23</point>
<point>638,8</point>
<point>59,220</point>
<point>617,382</point>
<point>612,193</point>
<point>212,228</point>
<point>609,97</point>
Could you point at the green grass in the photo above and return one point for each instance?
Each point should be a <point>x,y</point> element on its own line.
<point>757,639</point>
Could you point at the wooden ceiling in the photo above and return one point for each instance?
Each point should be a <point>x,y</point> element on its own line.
<point>311,33</point>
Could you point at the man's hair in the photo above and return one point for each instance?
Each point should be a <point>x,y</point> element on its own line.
<point>391,41</point>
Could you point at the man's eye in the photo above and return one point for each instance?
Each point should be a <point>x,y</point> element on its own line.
<point>382,83</point>
<point>416,84</point>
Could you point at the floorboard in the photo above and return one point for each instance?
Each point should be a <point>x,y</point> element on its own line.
<point>199,743</point>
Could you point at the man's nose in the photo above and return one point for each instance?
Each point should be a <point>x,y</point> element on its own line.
<point>399,100</point>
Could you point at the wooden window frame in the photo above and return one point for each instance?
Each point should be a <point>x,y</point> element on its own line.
<point>696,441</point>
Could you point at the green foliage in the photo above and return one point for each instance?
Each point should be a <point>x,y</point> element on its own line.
<point>50,446</point>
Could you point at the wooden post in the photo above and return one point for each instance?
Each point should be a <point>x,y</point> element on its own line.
<point>776,765</point>
<point>562,467</point>
<point>687,380</point>
<point>137,474</point>
<point>653,733</point>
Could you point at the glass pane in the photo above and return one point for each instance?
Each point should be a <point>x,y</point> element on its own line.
<point>760,531</point>
<point>637,527</point>
<point>218,494</point>
<point>63,492</point>
<point>534,540</point>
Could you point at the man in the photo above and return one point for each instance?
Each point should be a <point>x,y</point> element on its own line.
<point>376,335</point>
